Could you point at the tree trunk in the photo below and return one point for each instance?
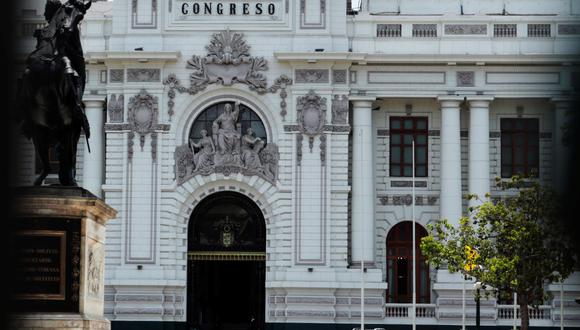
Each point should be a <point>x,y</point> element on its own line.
<point>524,315</point>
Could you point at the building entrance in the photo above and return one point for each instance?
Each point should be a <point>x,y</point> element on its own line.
<point>226,264</point>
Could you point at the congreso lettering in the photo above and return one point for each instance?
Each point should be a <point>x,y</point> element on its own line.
<point>231,9</point>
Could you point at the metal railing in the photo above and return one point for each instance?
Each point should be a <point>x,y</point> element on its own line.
<point>505,30</point>
<point>539,30</point>
<point>542,312</point>
<point>389,30</point>
<point>425,30</point>
<point>405,310</point>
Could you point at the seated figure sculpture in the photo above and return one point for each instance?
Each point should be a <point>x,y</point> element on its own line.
<point>227,137</point>
<point>203,159</point>
<point>251,147</point>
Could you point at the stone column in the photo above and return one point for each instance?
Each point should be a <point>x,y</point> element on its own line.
<point>363,185</point>
<point>561,156</point>
<point>451,199</point>
<point>93,162</point>
<point>479,179</point>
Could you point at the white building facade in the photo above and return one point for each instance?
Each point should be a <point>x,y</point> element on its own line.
<point>228,225</point>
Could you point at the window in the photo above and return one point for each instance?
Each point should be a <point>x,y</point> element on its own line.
<point>400,261</point>
<point>519,146</point>
<point>246,119</point>
<point>403,130</point>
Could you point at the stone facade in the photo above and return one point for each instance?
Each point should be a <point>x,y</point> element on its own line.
<point>316,78</point>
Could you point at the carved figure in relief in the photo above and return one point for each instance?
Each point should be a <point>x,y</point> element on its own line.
<point>269,157</point>
<point>226,135</point>
<point>204,157</point>
<point>251,147</point>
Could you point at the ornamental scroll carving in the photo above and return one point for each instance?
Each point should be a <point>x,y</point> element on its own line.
<point>227,150</point>
<point>227,62</point>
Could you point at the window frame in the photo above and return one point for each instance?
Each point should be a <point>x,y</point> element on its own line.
<point>415,132</point>
<point>531,126</point>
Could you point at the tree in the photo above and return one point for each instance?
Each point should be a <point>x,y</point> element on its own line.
<point>516,243</point>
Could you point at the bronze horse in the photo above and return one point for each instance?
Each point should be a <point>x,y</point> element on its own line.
<point>50,95</point>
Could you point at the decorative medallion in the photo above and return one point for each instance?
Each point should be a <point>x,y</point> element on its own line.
<point>142,117</point>
<point>311,115</point>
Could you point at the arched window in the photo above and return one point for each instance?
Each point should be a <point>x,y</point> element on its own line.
<point>247,118</point>
<point>400,263</point>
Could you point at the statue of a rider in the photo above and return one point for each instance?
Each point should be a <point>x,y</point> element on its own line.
<point>50,100</point>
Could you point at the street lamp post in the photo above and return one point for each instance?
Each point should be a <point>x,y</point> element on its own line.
<point>477,306</point>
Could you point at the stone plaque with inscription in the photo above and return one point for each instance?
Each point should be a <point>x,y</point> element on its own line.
<point>56,246</point>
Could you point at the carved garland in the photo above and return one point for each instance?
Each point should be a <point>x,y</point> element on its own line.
<point>228,62</point>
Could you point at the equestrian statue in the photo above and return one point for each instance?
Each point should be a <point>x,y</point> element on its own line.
<point>49,104</point>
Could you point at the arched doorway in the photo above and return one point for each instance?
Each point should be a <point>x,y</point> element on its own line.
<point>226,264</point>
<point>400,264</point>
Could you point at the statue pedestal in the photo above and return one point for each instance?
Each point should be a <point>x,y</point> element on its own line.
<point>57,251</point>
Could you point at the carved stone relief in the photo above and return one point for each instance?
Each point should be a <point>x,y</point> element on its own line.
<point>339,109</point>
<point>311,117</point>
<point>465,79</point>
<point>407,200</point>
<point>95,270</point>
<point>568,29</point>
<point>465,29</point>
<point>339,76</point>
<point>312,76</point>
<point>143,75</point>
<point>227,151</point>
<point>227,62</point>
<point>115,108</point>
<point>116,75</point>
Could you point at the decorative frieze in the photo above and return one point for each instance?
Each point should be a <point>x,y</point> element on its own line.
<point>312,76</point>
<point>568,29</point>
<point>407,199</point>
<point>465,29</point>
<point>143,75</point>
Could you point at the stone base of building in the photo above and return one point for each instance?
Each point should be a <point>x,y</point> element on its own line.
<point>137,325</point>
<point>50,321</point>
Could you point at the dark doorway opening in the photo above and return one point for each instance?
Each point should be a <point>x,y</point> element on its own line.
<point>226,264</point>
<point>400,264</point>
